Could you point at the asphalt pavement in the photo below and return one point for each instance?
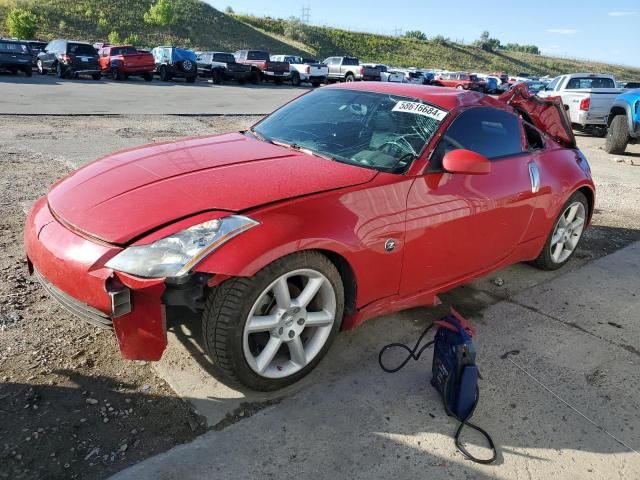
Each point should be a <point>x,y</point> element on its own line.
<point>562,404</point>
<point>48,95</point>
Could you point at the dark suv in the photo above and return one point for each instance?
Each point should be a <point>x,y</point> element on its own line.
<point>15,56</point>
<point>69,59</point>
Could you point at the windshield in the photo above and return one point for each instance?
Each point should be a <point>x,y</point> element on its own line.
<point>80,49</point>
<point>373,130</point>
<point>256,55</point>
<point>591,82</point>
<point>123,51</point>
<point>13,47</point>
<point>224,57</point>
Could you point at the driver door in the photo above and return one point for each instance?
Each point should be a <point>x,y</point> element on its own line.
<point>460,225</point>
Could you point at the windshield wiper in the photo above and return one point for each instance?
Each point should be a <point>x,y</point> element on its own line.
<point>259,136</point>
<point>299,148</point>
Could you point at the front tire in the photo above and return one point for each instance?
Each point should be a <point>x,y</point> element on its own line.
<point>566,234</point>
<point>270,330</point>
<point>41,69</point>
<point>60,71</point>
<point>617,135</point>
<point>295,79</point>
<point>165,76</point>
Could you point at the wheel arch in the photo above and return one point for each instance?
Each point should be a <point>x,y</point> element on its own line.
<point>619,109</point>
<point>591,199</point>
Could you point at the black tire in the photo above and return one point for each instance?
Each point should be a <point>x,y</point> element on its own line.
<point>617,135</point>
<point>115,74</point>
<point>295,79</point>
<point>60,71</point>
<point>28,71</point>
<point>241,81</point>
<point>165,76</point>
<point>40,67</point>
<point>349,78</point>
<point>315,84</point>
<point>544,260</point>
<point>278,81</point>
<point>227,308</point>
<point>254,78</point>
<point>96,76</point>
<point>191,79</point>
<point>148,77</point>
<point>216,76</point>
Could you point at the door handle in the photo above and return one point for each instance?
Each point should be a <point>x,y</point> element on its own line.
<point>534,176</point>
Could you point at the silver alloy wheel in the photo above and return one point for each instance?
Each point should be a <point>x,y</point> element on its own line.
<point>187,65</point>
<point>39,65</point>
<point>567,232</point>
<point>283,334</point>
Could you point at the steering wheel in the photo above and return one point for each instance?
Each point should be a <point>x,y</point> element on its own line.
<point>392,147</point>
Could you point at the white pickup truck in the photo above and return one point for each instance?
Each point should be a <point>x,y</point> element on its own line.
<point>303,71</point>
<point>588,97</point>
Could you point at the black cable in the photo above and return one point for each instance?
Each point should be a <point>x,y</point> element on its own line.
<point>415,354</point>
<point>412,352</point>
<point>465,421</point>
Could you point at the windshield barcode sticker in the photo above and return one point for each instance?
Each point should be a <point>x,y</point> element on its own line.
<point>420,109</point>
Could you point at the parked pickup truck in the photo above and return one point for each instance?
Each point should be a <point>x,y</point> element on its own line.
<point>623,122</point>
<point>302,71</point>
<point>588,97</point>
<point>175,62</point>
<point>387,74</point>
<point>348,69</point>
<point>123,61</point>
<point>263,67</point>
<point>222,66</point>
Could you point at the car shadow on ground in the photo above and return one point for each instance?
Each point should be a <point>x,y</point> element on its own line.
<point>471,300</point>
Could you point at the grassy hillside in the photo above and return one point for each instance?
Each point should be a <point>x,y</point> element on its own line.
<point>326,41</point>
<point>202,27</point>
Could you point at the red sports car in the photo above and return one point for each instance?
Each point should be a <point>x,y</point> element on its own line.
<point>350,202</point>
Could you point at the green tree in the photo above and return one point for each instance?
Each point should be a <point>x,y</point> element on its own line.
<point>22,23</point>
<point>163,13</point>
<point>417,34</point>
<point>114,38</point>
<point>229,10</point>
<point>294,29</point>
<point>132,39</point>
<point>485,42</point>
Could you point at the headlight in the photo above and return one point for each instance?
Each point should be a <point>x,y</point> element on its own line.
<point>177,254</point>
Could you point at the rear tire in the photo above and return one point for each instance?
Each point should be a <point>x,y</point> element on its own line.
<point>165,76</point>
<point>617,135</point>
<point>116,75</point>
<point>28,71</point>
<point>546,260</point>
<point>96,76</point>
<point>148,77</point>
<point>295,79</point>
<point>216,76</point>
<point>60,71</point>
<point>254,78</point>
<point>191,79</point>
<point>232,304</point>
<point>315,84</point>
<point>349,78</point>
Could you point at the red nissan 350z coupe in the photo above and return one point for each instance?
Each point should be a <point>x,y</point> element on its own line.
<point>350,202</point>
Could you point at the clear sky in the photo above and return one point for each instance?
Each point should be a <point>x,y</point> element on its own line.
<point>591,29</point>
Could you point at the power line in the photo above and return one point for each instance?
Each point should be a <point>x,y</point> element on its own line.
<point>306,14</point>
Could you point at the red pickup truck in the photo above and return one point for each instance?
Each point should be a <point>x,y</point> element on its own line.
<point>122,61</point>
<point>262,67</point>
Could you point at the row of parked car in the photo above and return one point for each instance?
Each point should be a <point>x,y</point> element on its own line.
<point>68,59</point>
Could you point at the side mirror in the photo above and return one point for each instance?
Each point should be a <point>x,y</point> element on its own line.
<point>466,162</point>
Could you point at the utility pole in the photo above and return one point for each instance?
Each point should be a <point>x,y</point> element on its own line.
<point>306,14</point>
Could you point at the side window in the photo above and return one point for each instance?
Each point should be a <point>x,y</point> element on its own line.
<point>534,138</point>
<point>488,131</point>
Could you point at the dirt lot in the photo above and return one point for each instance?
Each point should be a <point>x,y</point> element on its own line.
<point>70,407</point>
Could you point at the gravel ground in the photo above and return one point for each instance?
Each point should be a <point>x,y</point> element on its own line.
<point>70,407</point>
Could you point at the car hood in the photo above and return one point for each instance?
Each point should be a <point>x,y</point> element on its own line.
<point>122,196</point>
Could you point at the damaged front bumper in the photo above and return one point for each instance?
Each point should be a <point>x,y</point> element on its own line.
<point>71,268</point>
